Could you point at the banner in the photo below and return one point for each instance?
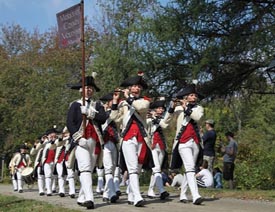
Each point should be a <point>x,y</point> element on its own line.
<point>69,26</point>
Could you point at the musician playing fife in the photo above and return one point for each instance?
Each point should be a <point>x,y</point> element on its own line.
<point>20,162</point>
<point>37,151</point>
<point>187,140</point>
<point>110,151</point>
<point>134,149</point>
<point>155,128</point>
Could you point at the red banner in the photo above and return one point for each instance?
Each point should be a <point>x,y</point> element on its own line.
<point>69,26</point>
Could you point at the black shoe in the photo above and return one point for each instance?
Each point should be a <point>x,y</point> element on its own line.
<point>151,197</point>
<point>114,199</point>
<point>62,195</point>
<point>49,195</point>
<point>81,204</point>
<point>20,191</point>
<point>164,195</point>
<point>54,191</point>
<point>130,203</point>
<point>198,201</point>
<point>72,196</point>
<point>118,193</point>
<point>41,194</point>
<point>15,189</point>
<point>184,200</point>
<point>89,204</point>
<point>105,199</point>
<point>140,203</point>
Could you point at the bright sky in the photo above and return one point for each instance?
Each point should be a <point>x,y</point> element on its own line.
<point>40,14</point>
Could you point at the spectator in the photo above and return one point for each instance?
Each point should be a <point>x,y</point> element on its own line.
<point>204,176</point>
<point>177,179</point>
<point>217,177</point>
<point>230,152</point>
<point>209,140</point>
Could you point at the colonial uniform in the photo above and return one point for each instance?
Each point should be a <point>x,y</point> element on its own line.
<point>110,153</point>
<point>47,160</point>
<point>20,162</point>
<point>60,165</point>
<point>155,129</point>
<point>135,144</point>
<point>186,145</point>
<point>12,172</point>
<point>37,150</point>
<point>86,146</point>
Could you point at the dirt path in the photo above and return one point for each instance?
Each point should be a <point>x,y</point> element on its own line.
<point>171,205</point>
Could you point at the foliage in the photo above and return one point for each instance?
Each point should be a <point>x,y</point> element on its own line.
<point>223,44</point>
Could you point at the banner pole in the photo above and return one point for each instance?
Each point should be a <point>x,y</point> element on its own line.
<point>83,63</point>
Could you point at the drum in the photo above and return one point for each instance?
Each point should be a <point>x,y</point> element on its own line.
<point>27,175</point>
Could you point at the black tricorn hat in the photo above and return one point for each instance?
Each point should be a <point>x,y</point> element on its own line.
<point>52,130</point>
<point>89,81</point>
<point>188,89</point>
<point>24,146</point>
<point>136,80</point>
<point>158,103</point>
<point>107,97</point>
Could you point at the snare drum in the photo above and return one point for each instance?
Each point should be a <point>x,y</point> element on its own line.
<point>27,175</point>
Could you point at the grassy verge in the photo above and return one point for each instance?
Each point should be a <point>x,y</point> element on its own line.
<point>12,203</point>
<point>265,195</point>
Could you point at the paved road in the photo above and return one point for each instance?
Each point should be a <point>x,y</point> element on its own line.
<point>171,205</point>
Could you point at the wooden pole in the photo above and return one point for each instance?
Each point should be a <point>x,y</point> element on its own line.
<point>83,61</point>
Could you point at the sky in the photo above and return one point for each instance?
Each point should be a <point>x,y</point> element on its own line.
<point>40,14</point>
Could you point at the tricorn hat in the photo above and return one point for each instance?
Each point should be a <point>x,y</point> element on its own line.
<point>24,146</point>
<point>136,80</point>
<point>158,103</point>
<point>52,130</point>
<point>89,81</point>
<point>191,88</point>
<point>107,97</point>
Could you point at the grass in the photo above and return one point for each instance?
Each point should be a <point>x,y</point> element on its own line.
<point>264,195</point>
<point>12,203</point>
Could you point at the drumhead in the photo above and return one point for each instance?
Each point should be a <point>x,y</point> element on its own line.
<point>27,171</point>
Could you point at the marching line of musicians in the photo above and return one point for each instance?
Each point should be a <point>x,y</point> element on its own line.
<point>122,132</point>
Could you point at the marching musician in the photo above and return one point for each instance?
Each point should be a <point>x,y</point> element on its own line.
<point>155,128</point>
<point>186,145</point>
<point>135,146</point>
<point>110,151</point>
<point>88,139</point>
<point>37,151</point>
<point>59,162</point>
<point>69,160</point>
<point>48,156</point>
<point>12,171</point>
<point>20,162</point>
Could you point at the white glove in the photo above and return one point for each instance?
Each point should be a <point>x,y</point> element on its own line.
<point>83,143</point>
<point>84,110</point>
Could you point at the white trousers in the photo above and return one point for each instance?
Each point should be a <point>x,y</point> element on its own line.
<point>189,152</point>
<point>117,179</point>
<point>70,178</point>
<point>85,161</point>
<point>109,163</point>
<point>20,182</point>
<point>40,180</point>
<point>158,157</point>
<point>131,149</point>
<point>61,179</point>
<point>100,178</point>
<point>48,170</point>
<point>14,183</point>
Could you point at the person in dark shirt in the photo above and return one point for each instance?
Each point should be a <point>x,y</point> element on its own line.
<point>209,140</point>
